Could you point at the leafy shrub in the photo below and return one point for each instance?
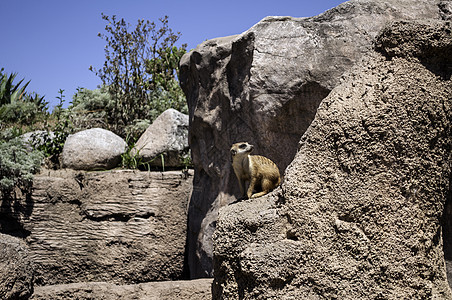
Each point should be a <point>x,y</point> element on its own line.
<point>10,133</point>
<point>51,144</point>
<point>136,129</point>
<point>16,105</point>
<point>140,72</point>
<point>162,99</point>
<point>20,112</point>
<point>94,108</point>
<point>132,161</point>
<point>186,161</point>
<point>10,92</point>
<point>89,108</point>
<point>17,167</point>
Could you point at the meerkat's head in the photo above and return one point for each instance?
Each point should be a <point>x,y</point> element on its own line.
<point>242,148</point>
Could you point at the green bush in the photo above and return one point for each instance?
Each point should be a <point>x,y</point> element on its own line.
<point>140,72</point>
<point>51,144</point>
<point>17,167</point>
<point>10,92</point>
<point>10,133</point>
<point>135,130</point>
<point>162,99</point>
<point>94,108</point>
<point>19,112</point>
<point>17,107</point>
<point>89,108</point>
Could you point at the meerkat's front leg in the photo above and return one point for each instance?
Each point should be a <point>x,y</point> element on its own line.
<point>251,187</point>
<point>242,188</point>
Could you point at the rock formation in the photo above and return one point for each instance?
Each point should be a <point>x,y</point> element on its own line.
<point>93,149</point>
<point>264,86</point>
<point>34,139</point>
<point>170,290</point>
<point>167,135</point>
<point>16,269</point>
<point>119,226</point>
<point>360,212</point>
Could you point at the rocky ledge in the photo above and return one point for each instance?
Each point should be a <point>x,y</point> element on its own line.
<point>264,87</point>
<point>364,209</point>
<point>119,226</point>
<point>169,290</point>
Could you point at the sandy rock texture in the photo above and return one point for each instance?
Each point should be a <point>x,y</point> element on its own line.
<point>264,87</point>
<point>360,212</point>
<point>116,226</point>
<point>16,269</point>
<point>169,290</point>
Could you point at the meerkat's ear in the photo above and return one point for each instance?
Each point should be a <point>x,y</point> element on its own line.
<point>233,152</point>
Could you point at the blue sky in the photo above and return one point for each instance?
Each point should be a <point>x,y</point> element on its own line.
<point>52,43</point>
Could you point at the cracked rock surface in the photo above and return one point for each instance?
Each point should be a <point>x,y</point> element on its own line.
<point>16,269</point>
<point>264,87</point>
<point>117,226</point>
<point>164,290</point>
<point>360,212</point>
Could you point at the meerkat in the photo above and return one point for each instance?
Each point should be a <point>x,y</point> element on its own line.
<point>261,172</point>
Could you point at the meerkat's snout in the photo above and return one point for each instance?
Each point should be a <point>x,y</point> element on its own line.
<point>241,148</point>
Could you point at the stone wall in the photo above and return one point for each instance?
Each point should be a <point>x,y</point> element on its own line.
<point>169,290</point>
<point>118,226</point>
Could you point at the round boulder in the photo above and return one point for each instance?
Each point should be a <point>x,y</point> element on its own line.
<point>93,149</point>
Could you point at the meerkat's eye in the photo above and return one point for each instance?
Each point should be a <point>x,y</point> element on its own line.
<point>242,146</point>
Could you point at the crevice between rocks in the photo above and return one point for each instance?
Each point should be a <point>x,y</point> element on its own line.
<point>118,217</point>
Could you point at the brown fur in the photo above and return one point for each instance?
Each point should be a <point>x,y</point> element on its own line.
<point>261,173</point>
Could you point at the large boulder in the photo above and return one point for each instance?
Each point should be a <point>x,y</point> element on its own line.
<point>264,86</point>
<point>16,269</point>
<point>119,226</point>
<point>93,149</point>
<point>166,290</point>
<point>167,136</point>
<point>360,212</point>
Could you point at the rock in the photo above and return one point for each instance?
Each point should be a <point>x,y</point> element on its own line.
<point>449,271</point>
<point>360,212</point>
<point>118,226</point>
<point>264,86</point>
<point>445,9</point>
<point>169,290</point>
<point>93,149</point>
<point>167,135</point>
<point>16,269</point>
<point>36,138</point>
